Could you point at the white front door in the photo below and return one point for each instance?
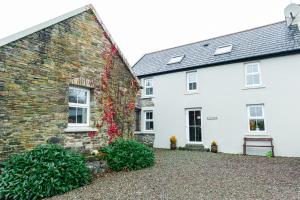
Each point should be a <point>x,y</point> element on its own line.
<point>194,133</point>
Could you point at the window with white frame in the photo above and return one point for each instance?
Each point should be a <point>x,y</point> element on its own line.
<point>149,123</point>
<point>149,87</point>
<point>256,118</point>
<point>223,49</point>
<point>175,59</point>
<point>191,78</point>
<point>79,106</point>
<point>252,74</point>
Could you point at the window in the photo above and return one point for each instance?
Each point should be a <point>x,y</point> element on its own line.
<point>79,106</point>
<point>149,124</point>
<point>252,74</point>
<point>148,87</point>
<point>191,78</point>
<point>256,121</point>
<point>223,49</point>
<point>175,59</point>
<point>137,124</point>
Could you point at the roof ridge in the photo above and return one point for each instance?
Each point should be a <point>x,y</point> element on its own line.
<point>191,43</point>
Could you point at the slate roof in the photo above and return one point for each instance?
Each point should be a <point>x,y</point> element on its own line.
<point>267,41</point>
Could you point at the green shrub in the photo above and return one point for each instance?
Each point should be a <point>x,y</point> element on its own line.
<point>128,155</point>
<point>269,154</point>
<point>45,171</point>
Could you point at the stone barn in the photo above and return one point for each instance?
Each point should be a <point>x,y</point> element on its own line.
<point>64,81</point>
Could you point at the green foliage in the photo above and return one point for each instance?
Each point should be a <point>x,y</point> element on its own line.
<point>128,155</point>
<point>45,171</point>
<point>269,154</point>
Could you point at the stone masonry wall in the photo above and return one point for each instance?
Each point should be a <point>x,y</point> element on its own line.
<point>36,72</point>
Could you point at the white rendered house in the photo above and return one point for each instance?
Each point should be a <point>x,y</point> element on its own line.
<point>245,84</point>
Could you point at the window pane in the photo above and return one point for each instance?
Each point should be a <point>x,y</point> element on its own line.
<point>191,86</point>
<point>149,91</point>
<point>82,96</point>
<point>249,69</point>
<point>191,117</point>
<point>252,111</point>
<point>149,115</point>
<point>148,83</point>
<point>149,126</point>
<point>198,134</point>
<point>255,79</point>
<point>258,111</point>
<point>249,80</point>
<point>192,134</point>
<point>72,115</point>
<point>192,77</point>
<point>252,124</point>
<point>194,86</point>
<point>260,125</point>
<point>254,67</point>
<point>72,95</point>
<point>81,115</point>
<point>198,118</point>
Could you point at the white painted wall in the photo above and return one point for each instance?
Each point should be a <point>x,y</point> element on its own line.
<point>222,94</point>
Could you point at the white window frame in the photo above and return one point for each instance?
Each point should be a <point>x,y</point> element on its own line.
<point>188,81</point>
<point>151,86</point>
<point>79,105</point>
<point>262,117</point>
<point>251,74</point>
<point>175,59</point>
<point>148,120</point>
<point>223,49</point>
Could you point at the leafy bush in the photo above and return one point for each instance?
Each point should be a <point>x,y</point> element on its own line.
<point>45,171</point>
<point>128,155</point>
<point>269,154</point>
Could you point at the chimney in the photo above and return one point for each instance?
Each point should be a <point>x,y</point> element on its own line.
<point>292,15</point>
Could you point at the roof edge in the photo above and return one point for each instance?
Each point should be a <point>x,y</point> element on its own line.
<point>36,28</point>
<point>26,32</point>
<point>246,59</point>
<point>90,6</point>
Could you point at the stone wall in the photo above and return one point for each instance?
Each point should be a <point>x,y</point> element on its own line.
<point>36,72</point>
<point>145,138</point>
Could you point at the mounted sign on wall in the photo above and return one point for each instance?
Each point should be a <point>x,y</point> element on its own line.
<point>212,118</point>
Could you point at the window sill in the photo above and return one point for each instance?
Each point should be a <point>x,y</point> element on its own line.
<point>191,93</point>
<point>79,129</point>
<point>254,87</point>
<point>143,132</point>
<point>147,97</point>
<point>257,134</point>
<point>147,131</point>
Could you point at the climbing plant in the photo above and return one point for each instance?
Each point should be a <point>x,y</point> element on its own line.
<point>116,98</point>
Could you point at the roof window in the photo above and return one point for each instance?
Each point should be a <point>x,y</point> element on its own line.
<point>175,59</point>
<point>223,49</point>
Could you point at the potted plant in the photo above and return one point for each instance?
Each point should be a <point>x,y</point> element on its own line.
<point>214,147</point>
<point>173,142</point>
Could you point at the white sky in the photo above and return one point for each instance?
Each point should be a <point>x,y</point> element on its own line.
<point>142,26</point>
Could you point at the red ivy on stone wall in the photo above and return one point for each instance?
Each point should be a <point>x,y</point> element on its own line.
<point>111,106</point>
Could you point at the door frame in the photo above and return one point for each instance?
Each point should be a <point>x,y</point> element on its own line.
<point>187,130</point>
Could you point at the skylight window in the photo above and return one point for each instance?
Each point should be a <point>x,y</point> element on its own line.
<point>223,49</point>
<point>175,59</point>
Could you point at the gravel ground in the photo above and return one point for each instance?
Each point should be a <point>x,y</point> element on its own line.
<point>199,175</point>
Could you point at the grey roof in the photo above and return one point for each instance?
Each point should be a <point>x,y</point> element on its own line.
<point>266,41</point>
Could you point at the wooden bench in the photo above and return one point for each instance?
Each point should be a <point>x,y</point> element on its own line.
<point>258,140</point>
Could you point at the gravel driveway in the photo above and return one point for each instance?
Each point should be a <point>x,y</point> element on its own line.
<point>199,175</point>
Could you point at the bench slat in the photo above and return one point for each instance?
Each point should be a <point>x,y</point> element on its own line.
<point>258,139</point>
<point>258,146</point>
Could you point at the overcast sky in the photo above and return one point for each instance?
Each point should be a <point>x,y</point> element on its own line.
<point>142,26</point>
